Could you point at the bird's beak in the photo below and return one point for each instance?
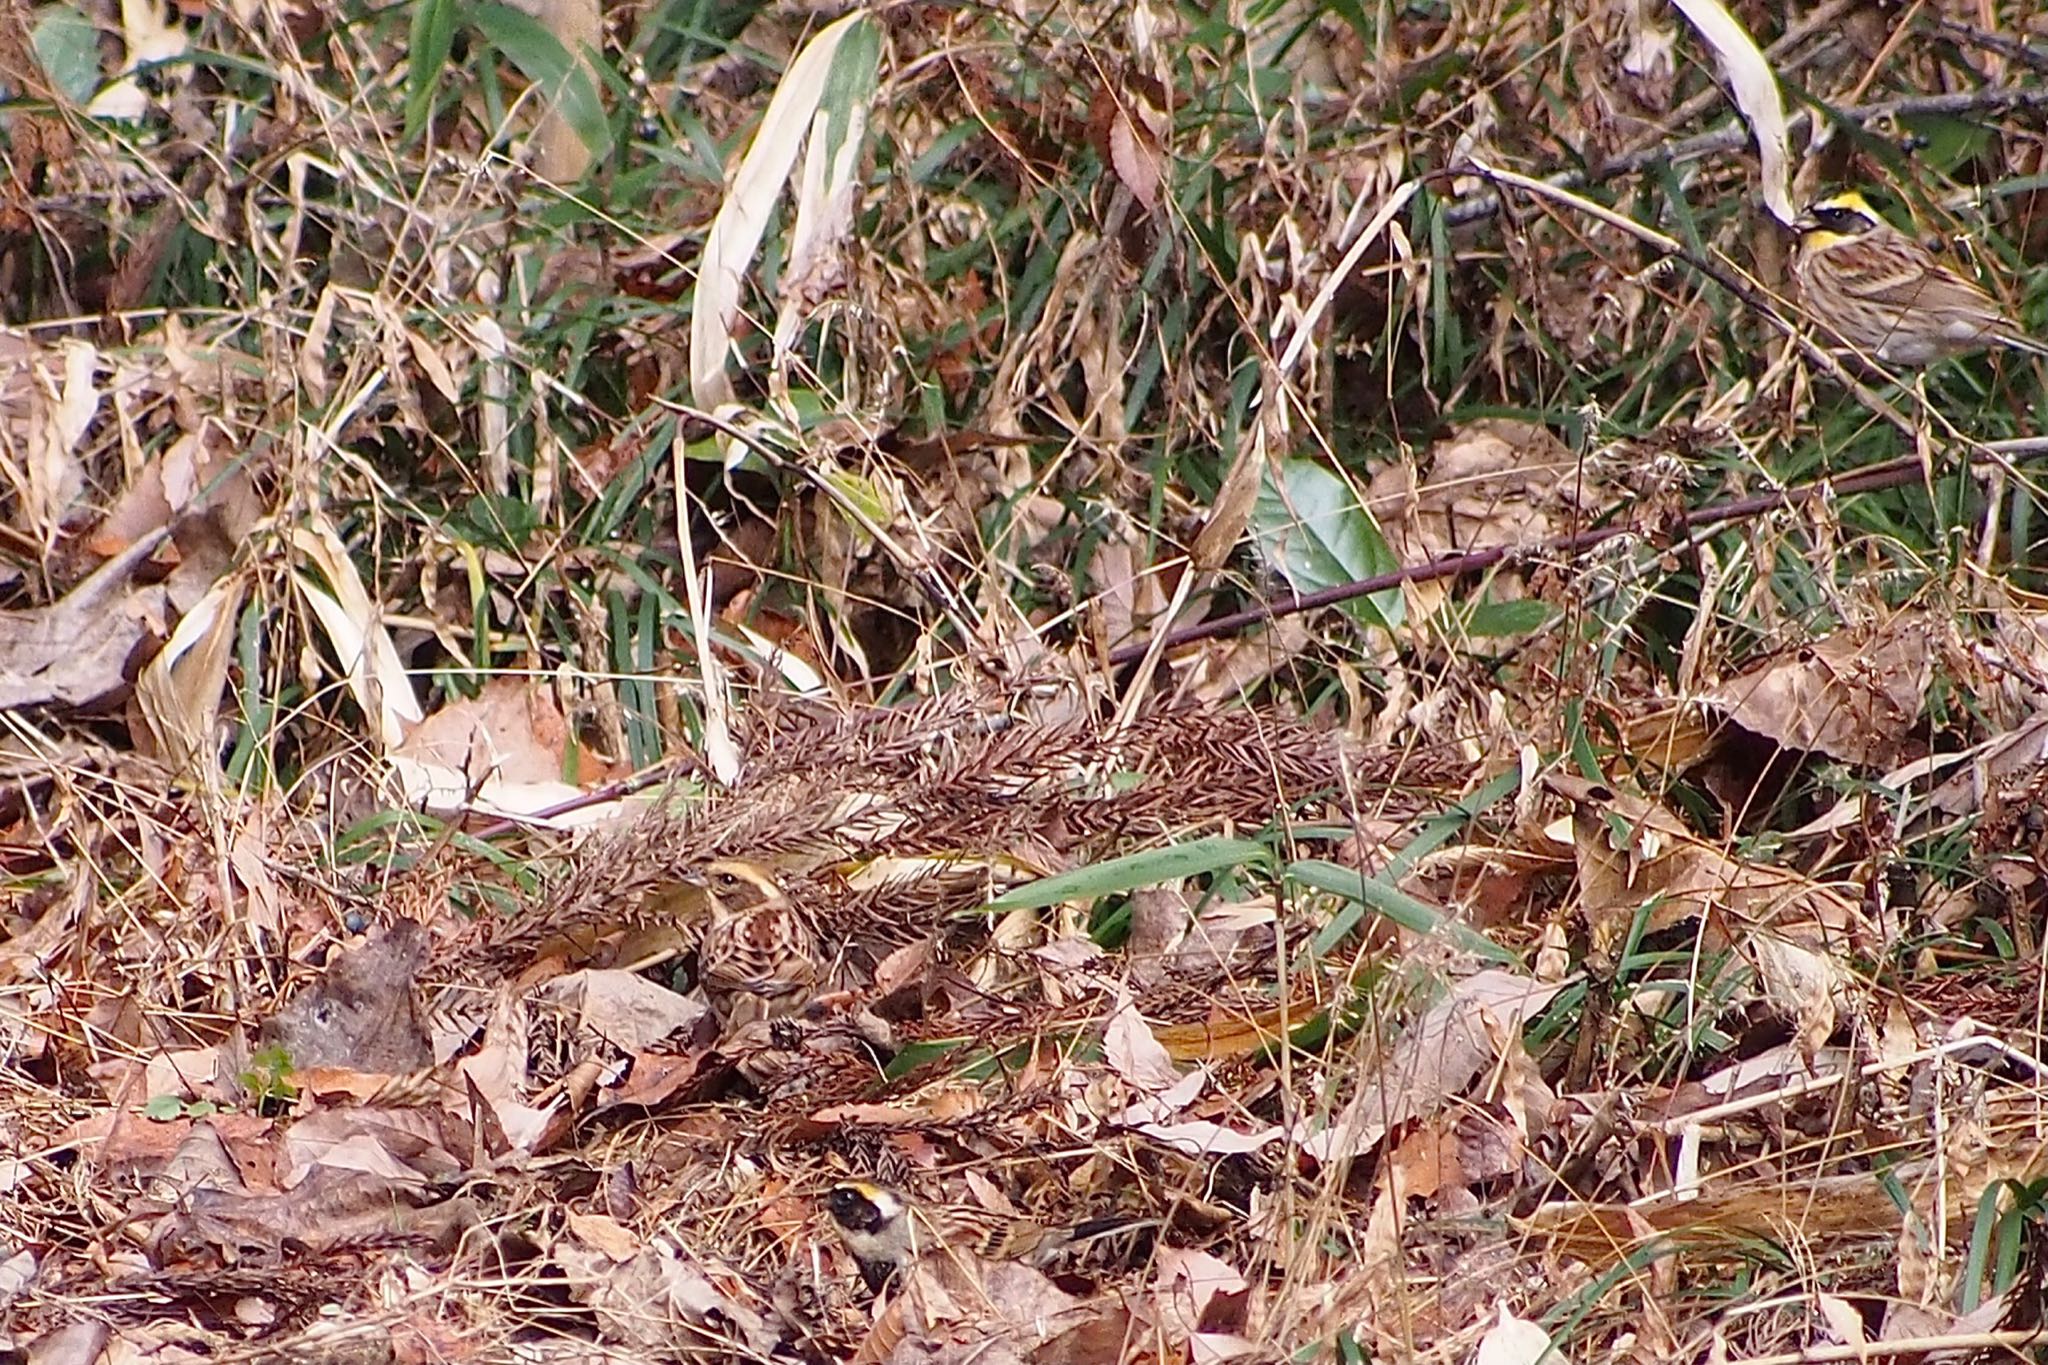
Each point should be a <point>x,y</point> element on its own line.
<point>1805,223</point>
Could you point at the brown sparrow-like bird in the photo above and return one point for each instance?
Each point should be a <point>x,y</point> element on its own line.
<point>1887,295</point>
<point>757,951</point>
<point>759,957</point>
<point>886,1231</point>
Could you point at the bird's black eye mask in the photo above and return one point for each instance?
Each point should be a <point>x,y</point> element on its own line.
<point>1834,218</point>
<point>851,1209</point>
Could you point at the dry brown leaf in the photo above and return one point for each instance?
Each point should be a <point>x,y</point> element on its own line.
<point>1911,1321</point>
<point>617,1009</point>
<point>264,898</point>
<point>604,1234</point>
<point>1128,596</point>
<point>202,1161</point>
<point>48,398</point>
<point>1219,672</point>
<point>1855,695</point>
<point>198,471</point>
<point>1425,1162</point>
<point>78,1343</point>
<point>1793,931</point>
<point>1434,1060</point>
<point>17,1273</point>
<point>179,691</point>
<point>1672,737</point>
<point>124,1144</point>
<point>826,195</point>
<point>513,729</point>
<point>1231,510</point>
<point>2011,760</point>
<point>420,1143</point>
<point>958,1308</point>
<point>364,1011</point>
<point>1728,1211</point>
<point>1128,126</point>
<point>509,741</point>
<point>1132,1052</point>
<point>878,1115</point>
<point>1230,1032</point>
<point>1159,923</point>
<point>352,1140</point>
<point>507,1125</point>
<point>1194,1294</point>
<point>1099,1337</point>
<point>1157,1116</point>
<point>330,1208</point>
<point>354,626</point>
<point>76,651</point>
<point>1137,158</point>
<point>1632,851</point>
<point>753,188</point>
<point>656,1077</point>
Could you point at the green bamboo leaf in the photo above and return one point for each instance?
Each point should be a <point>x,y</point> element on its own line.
<point>557,73</point>
<point>433,39</point>
<point>1397,905</point>
<point>850,84</point>
<point>1132,871</point>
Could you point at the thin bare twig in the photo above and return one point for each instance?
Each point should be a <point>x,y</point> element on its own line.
<point>1476,207</point>
<point>2011,48</point>
<point>1890,474</point>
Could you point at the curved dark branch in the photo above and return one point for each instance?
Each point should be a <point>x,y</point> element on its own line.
<point>1473,208</point>
<point>1890,474</point>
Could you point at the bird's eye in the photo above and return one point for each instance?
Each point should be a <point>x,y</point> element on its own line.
<point>727,880</point>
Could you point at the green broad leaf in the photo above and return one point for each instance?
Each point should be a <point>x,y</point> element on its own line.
<point>917,1054</point>
<point>711,449</point>
<point>433,39</point>
<point>557,73</point>
<point>1397,905</point>
<point>1502,620</point>
<point>69,51</point>
<point>501,522</point>
<point>1310,527</point>
<point>271,1061</point>
<point>860,494</point>
<point>163,1108</point>
<point>1945,141</point>
<point>1132,871</point>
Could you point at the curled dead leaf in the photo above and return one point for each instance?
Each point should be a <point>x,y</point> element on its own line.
<point>1855,695</point>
